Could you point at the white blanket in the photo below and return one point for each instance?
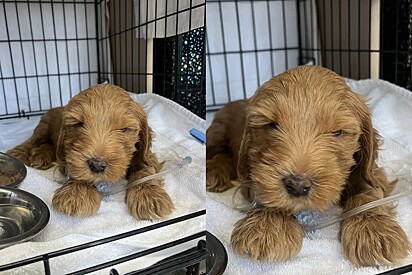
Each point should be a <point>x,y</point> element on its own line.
<point>321,252</point>
<point>171,124</point>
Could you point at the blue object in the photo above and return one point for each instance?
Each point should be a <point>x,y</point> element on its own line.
<point>198,135</point>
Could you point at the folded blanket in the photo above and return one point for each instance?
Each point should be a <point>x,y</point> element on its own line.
<point>321,252</point>
<point>171,124</point>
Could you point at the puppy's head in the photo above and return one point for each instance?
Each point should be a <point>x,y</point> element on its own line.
<point>103,129</point>
<point>305,133</point>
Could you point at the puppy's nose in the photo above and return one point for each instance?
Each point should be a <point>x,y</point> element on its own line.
<point>297,185</point>
<point>97,165</point>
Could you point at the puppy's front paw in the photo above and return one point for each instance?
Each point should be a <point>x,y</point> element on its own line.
<point>373,238</point>
<point>216,182</point>
<point>218,174</point>
<point>77,199</point>
<point>19,154</point>
<point>149,201</point>
<point>41,157</point>
<point>267,234</point>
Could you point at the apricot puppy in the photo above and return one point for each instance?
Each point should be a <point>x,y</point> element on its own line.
<point>303,141</point>
<point>100,135</point>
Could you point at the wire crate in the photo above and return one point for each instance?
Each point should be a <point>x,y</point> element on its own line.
<point>251,41</point>
<point>50,50</point>
<point>208,257</point>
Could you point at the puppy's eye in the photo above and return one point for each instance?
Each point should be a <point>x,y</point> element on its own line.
<point>337,133</point>
<point>273,126</point>
<point>79,125</point>
<point>124,130</point>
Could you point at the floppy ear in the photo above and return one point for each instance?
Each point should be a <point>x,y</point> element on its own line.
<point>368,144</point>
<point>143,155</point>
<point>60,151</point>
<point>243,159</point>
<point>145,141</point>
<point>243,165</point>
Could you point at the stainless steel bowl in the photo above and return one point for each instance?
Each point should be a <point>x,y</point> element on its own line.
<point>22,216</point>
<point>12,171</point>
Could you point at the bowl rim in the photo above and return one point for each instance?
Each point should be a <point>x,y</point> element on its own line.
<point>37,228</point>
<point>19,166</point>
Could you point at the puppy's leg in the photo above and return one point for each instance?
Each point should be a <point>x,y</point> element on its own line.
<point>220,168</point>
<point>39,150</point>
<point>148,200</point>
<point>42,157</point>
<point>35,154</point>
<point>219,172</point>
<point>267,234</point>
<point>374,236</point>
<point>76,198</point>
<point>20,152</point>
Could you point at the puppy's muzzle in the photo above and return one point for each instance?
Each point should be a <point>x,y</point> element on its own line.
<point>97,165</point>
<point>297,185</point>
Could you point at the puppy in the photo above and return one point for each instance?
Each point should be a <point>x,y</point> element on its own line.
<point>303,141</point>
<point>100,135</point>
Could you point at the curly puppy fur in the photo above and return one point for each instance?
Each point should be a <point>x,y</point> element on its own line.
<point>303,141</point>
<point>100,135</point>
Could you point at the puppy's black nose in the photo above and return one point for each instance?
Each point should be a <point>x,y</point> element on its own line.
<point>97,165</point>
<point>297,185</point>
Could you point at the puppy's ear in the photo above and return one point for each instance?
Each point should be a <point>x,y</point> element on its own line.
<point>144,143</point>
<point>243,165</point>
<point>243,157</point>
<point>368,142</point>
<point>60,150</point>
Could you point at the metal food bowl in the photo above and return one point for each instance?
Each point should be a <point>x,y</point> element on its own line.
<point>22,216</point>
<point>12,171</point>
